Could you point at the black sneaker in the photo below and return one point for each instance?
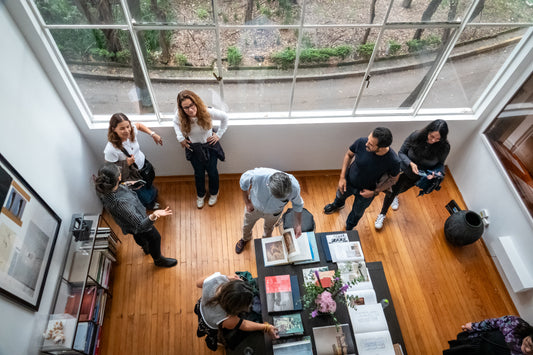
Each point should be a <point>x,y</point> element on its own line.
<point>330,208</point>
<point>165,262</point>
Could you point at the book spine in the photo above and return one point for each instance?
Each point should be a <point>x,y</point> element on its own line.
<point>325,247</point>
<point>295,289</point>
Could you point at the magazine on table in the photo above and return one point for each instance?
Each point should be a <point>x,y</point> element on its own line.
<point>286,249</point>
<point>372,336</point>
<point>333,339</point>
<point>355,270</point>
<point>346,251</point>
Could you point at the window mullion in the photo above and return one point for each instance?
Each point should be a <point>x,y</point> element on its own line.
<point>372,57</point>
<point>441,60</point>
<point>142,60</point>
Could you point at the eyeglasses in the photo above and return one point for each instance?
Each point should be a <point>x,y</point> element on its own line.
<point>186,108</point>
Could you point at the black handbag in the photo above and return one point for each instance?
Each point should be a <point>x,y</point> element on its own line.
<point>147,173</point>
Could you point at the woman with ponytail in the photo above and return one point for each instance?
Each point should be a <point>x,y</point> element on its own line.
<point>129,213</point>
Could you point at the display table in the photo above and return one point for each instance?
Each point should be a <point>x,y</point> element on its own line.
<point>377,276</point>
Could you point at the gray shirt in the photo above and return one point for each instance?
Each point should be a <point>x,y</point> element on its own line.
<point>212,315</point>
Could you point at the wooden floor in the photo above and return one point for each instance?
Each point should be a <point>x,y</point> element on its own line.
<point>435,287</point>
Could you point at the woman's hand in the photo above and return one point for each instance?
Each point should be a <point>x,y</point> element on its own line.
<point>272,331</point>
<point>130,160</point>
<point>186,143</point>
<point>162,213</point>
<point>157,139</point>
<point>213,139</point>
<point>467,327</point>
<point>414,167</point>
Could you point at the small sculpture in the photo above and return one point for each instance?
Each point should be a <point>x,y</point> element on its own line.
<point>56,333</point>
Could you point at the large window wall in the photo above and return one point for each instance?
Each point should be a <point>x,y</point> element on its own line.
<point>282,58</point>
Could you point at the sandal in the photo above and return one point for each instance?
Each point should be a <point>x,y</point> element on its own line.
<point>240,246</point>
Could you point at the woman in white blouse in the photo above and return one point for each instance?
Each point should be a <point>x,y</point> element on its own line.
<point>121,138</point>
<point>193,124</point>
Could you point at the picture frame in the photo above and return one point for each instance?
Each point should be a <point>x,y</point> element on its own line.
<point>28,235</point>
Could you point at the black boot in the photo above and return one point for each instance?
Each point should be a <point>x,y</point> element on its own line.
<point>165,262</point>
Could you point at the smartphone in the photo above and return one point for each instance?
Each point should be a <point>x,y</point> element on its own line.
<point>138,184</point>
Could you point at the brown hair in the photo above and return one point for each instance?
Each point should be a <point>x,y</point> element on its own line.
<point>113,123</point>
<point>204,119</point>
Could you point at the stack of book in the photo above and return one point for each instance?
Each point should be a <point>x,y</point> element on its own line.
<point>369,325</point>
<point>106,242</point>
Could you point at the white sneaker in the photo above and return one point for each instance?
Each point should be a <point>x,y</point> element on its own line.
<point>395,204</point>
<point>200,202</point>
<point>379,221</point>
<point>212,200</point>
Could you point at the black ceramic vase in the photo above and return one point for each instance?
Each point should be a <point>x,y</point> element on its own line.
<point>463,227</point>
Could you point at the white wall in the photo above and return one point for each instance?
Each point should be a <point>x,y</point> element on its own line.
<point>39,138</point>
<point>484,185</point>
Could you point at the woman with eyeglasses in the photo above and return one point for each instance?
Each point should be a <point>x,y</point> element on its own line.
<point>422,155</point>
<point>193,124</point>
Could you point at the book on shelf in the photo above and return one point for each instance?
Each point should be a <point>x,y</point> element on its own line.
<point>309,275</point>
<point>293,346</point>
<point>330,340</point>
<point>355,270</point>
<point>82,333</point>
<point>73,301</point>
<point>286,249</point>
<point>78,267</point>
<point>288,324</point>
<point>87,303</point>
<point>372,336</point>
<point>282,293</point>
<point>327,240</point>
<point>346,251</point>
<point>315,257</point>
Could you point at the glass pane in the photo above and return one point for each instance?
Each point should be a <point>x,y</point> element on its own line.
<point>346,12</point>
<point>470,68</point>
<point>429,10</point>
<point>62,12</point>
<point>197,12</point>
<point>510,11</point>
<point>106,70</point>
<point>400,69</point>
<point>250,12</point>
<point>331,69</point>
<point>185,61</point>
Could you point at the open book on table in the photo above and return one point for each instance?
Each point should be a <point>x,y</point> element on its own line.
<point>372,336</point>
<point>355,270</point>
<point>286,249</point>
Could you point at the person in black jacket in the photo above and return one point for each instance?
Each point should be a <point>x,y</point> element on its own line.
<point>130,214</point>
<point>422,153</point>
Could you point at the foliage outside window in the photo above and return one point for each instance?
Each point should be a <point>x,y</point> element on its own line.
<point>182,44</point>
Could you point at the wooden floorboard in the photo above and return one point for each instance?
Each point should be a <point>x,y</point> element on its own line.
<point>435,287</point>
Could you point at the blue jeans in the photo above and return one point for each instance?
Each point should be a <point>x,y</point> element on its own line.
<point>199,175</point>
<point>360,204</point>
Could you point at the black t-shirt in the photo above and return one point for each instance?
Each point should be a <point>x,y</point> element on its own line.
<point>368,167</point>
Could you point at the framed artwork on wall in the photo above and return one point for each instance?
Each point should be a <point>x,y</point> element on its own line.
<point>511,136</point>
<point>28,233</point>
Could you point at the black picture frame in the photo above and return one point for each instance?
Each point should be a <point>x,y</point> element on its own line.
<point>28,235</point>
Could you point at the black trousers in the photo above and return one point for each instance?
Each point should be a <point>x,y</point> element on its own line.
<point>153,239</point>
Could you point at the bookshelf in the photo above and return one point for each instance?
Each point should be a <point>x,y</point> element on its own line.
<point>77,314</point>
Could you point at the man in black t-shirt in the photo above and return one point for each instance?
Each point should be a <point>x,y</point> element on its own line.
<point>367,162</point>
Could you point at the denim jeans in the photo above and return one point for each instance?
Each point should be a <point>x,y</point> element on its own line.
<point>199,175</point>
<point>359,206</point>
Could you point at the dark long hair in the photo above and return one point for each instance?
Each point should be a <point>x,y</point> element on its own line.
<point>423,148</point>
<point>113,123</point>
<point>523,329</point>
<point>107,178</point>
<point>234,297</point>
